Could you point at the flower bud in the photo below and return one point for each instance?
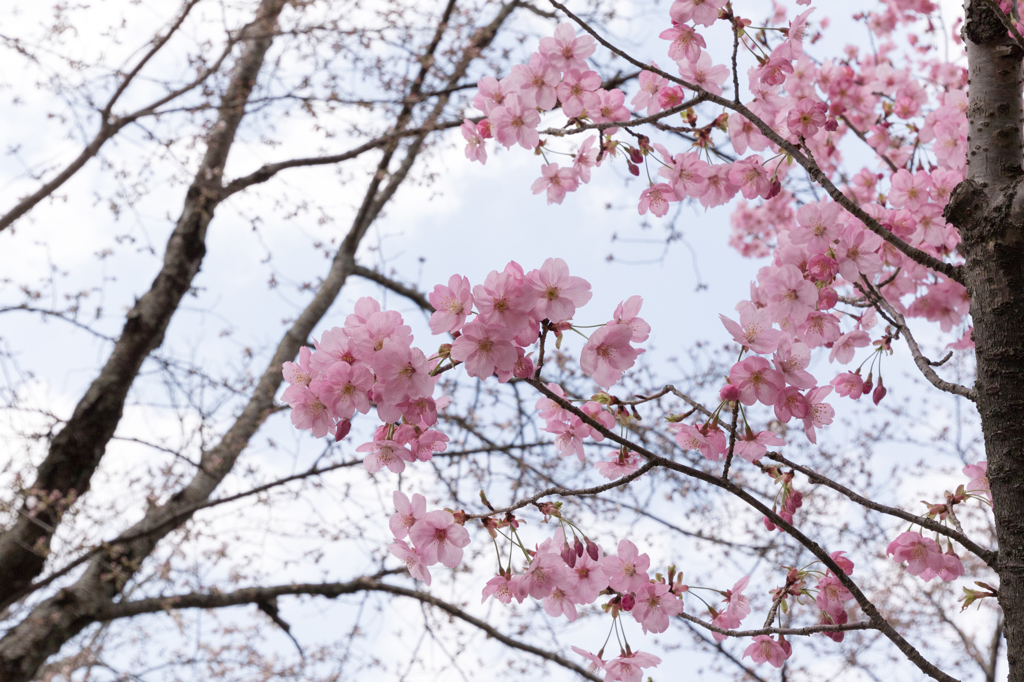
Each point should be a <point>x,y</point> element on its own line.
<point>568,556</point>
<point>593,551</point>
<point>628,602</point>
<point>729,392</point>
<point>879,393</point>
<point>827,298</point>
<point>578,547</point>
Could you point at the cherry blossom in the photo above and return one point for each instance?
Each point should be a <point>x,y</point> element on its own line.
<point>439,538</point>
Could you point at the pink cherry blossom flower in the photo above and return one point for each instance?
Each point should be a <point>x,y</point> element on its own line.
<point>475,149</point>
<point>753,447</point>
<point>656,198</point>
<point>627,313</point>
<point>756,381</point>
<point>654,606</point>
<point>546,572</point>
<point>426,444</point>
<point>843,562</point>
<point>565,50</point>
<point>790,403</point>
<point>832,595</point>
<point>726,621</point>
<point>585,159</point>
<point>491,93</point>
<point>484,348</point>
<point>688,174</point>
<point>744,134</point>
<point>792,359</point>
<point>626,572</point>
<point>499,300</point>
<point>577,91</point>
<point>789,294</point>
<point>555,293</point>
<point>620,465</point>
<point>844,348</point>
<point>607,354</point>
<point>345,389</point>
<point>557,181</point>
<point>978,485</point>
<point>439,538</point>
<point>367,336</point>
<point>308,410</point>
<point>849,385</point>
<point>686,43</point>
<point>703,12</point>
<point>610,108</point>
<point>587,578</point>
<point>385,453</point>
<point>514,122</point>
<point>703,74</point>
<point>764,649</point>
<point>559,603</point>
<point>647,97</point>
<point>333,347</point>
<point>451,303</point>
<point>536,82</point>
<point>774,70</point>
<point>754,329</point>
<point>738,604</point>
<point>806,117</point>
<point>820,329</point>
<point>596,663</point>
<point>502,588</point>
<point>407,513</point>
<point>752,178</point>
<point>910,191</point>
<point>921,554</point>
<point>629,667</point>
<point>821,226</point>
<point>402,372</point>
<point>710,442</point>
<point>819,413</point>
<point>412,558</point>
<point>569,436</point>
<point>300,372</point>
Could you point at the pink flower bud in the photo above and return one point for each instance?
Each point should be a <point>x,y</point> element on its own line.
<point>568,556</point>
<point>879,393</point>
<point>827,298</point>
<point>344,426</point>
<point>593,550</point>
<point>578,547</point>
<point>768,524</point>
<point>628,602</point>
<point>729,392</point>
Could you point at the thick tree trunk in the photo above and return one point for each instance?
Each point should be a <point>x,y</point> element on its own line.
<point>76,451</point>
<point>988,208</point>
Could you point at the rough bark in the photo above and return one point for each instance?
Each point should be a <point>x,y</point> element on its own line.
<point>75,452</point>
<point>987,208</point>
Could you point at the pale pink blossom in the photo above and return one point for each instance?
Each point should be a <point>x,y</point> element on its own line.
<point>819,413</point>
<point>832,595</point>
<point>789,294</point>
<point>703,12</point>
<point>587,578</point>
<point>756,381</point>
<point>627,313</point>
<point>626,572</point>
<point>585,159</point>
<point>556,181</point>
<point>333,347</point>
<point>845,346</point>
<point>300,372</point>
<point>475,148</point>
<point>753,447</point>
<point>555,293</point>
<point>619,465</point>
<point>764,649</point>
<point>502,588</point>
<point>921,554</point>
<point>703,74</point>
<point>806,117</point>
<point>514,123</point>
<point>607,354</point>
<point>978,475</point>
<point>565,50</point>
<point>402,372</point>
<point>484,348</point>
<point>385,453</point>
<point>629,667</point>
<point>754,329</point>
<point>558,603</point>
<point>412,558</point>
<point>792,359</point>
<point>656,198</point>
<point>654,606</point>
<point>577,91</point>
<point>536,82</point>
<point>439,538</point>
<point>407,513</point>
<point>451,303</point>
<point>546,572</point>
<point>686,43</point>
<point>820,329</point>
<point>345,389</point>
<point>308,411</point>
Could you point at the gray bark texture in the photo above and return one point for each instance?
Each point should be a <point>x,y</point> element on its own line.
<point>988,209</point>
